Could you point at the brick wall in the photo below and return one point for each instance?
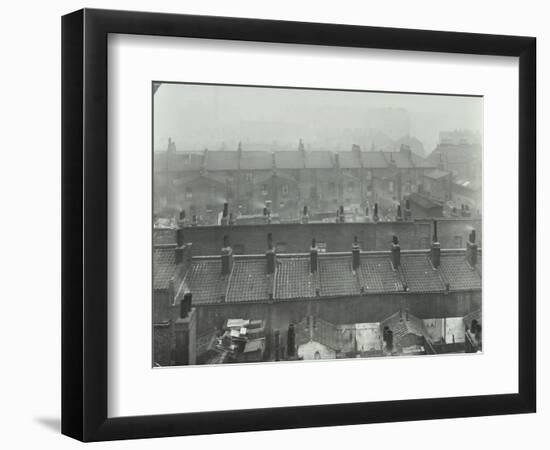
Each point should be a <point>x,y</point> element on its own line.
<point>296,238</point>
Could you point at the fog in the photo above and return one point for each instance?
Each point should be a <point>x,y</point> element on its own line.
<point>218,117</point>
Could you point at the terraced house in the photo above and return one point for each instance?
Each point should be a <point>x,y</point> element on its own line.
<point>347,287</point>
<point>200,182</point>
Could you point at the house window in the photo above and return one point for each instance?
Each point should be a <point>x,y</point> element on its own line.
<point>284,189</point>
<point>390,186</point>
<point>264,189</point>
<point>351,186</point>
<point>281,247</point>
<point>188,193</point>
<point>369,174</point>
<point>331,188</point>
<point>249,177</point>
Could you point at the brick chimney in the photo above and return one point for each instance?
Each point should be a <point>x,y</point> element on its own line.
<point>185,331</point>
<point>227,257</point>
<point>225,214</point>
<point>355,254</point>
<point>313,256</point>
<point>181,218</point>
<point>408,214</point>
<point>270,255</point>
<point>471,249</point>
<point>375,217</point>
<point>395,252</point>
<point>305,215</point>
<point>435,251</point>
<point>398,217</point>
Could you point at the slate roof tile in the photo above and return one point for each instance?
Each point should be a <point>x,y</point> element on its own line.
<point>336,277</point>
<point>294,278</point>
<point>419,273</point>
<point>249,280</point>
<point>256,160</point>
<point>164,266</point>
<point>222,160</point>
<point>374,160</point>
<point>205,281</point>
<point>459,273</point>
<point>376,275</point>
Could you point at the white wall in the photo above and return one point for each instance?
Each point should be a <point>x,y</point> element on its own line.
<point>30,177</point>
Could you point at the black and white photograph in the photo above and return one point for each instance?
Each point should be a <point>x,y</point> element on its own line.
<point>298,224</point>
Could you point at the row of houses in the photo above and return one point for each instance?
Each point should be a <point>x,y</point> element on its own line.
<point>354,286</point>
<point>201,182</point>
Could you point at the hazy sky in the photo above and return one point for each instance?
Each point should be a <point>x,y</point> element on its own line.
<point>200,116</point>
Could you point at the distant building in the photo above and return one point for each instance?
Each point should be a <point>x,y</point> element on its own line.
<point>201,182</point>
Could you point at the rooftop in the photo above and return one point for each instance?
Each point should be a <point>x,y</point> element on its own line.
<point>335,277</point>
<point>220,160</point>
<point>164,266</point>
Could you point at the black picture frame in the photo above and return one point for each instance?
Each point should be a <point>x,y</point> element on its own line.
<point>84,224</point>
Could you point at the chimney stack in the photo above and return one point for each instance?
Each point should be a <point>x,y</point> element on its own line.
<point>231,219</point>
<point>395,252</point>
<point>375,217</point>
<point>436,249</point>
<point>408,214</point>
<point>225,214</point>
<point>305,215</point>
<point>355,254</point>
<point>185,305</point>
<point>341,214</point>
<point>227,257</point>
<point>185,333</point>
<point>313,256</point>
<point>471,249</point>
<point>181,218</point>
<point>270,255</point>
<point>399,218</point>
<point>194,223</point>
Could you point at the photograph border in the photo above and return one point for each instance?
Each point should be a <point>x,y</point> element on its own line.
<point>84,224</point>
